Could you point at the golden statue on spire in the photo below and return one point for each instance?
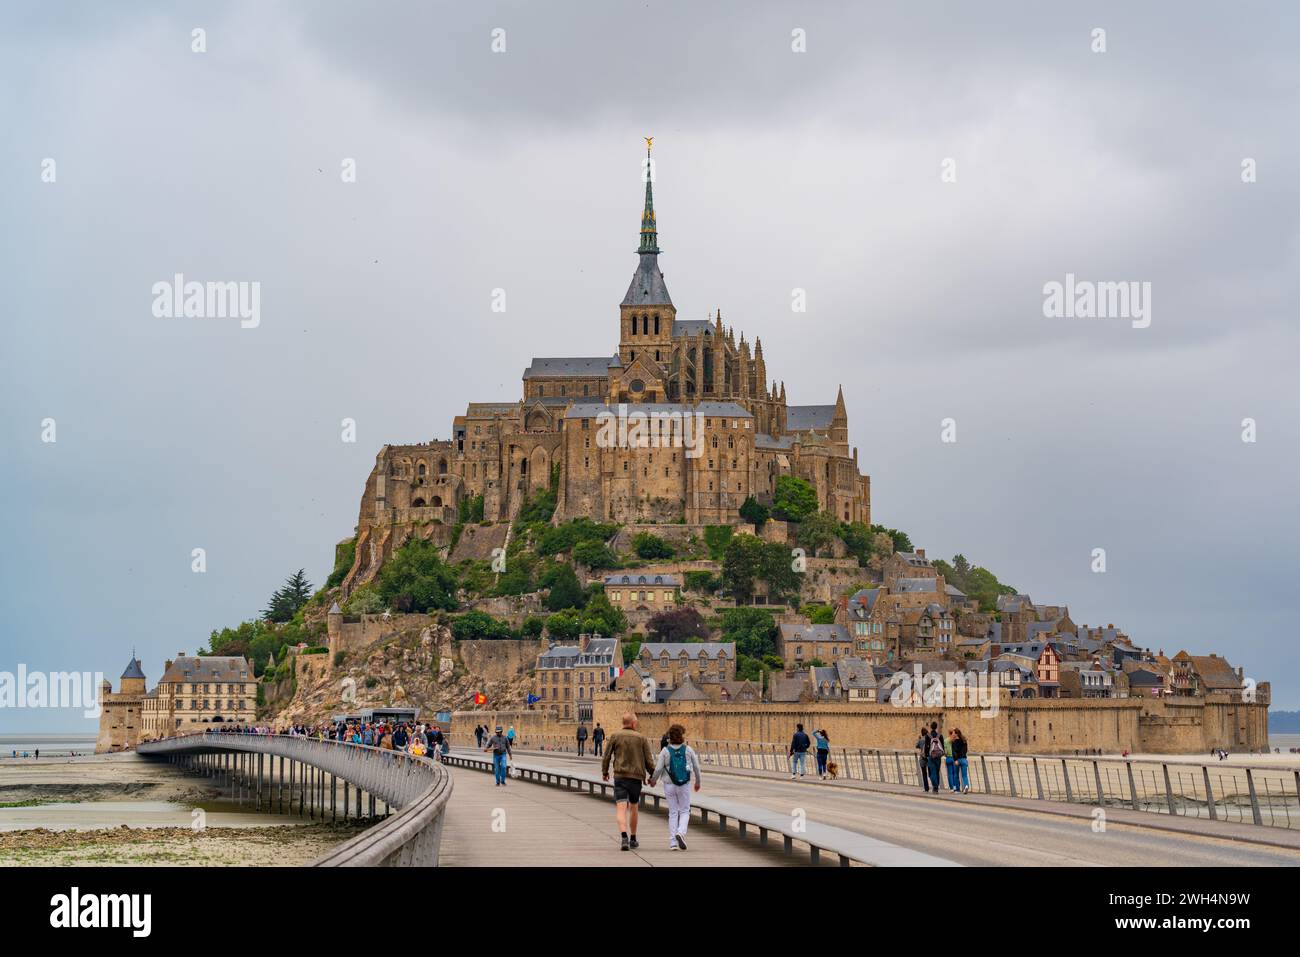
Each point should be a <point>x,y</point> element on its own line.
<point>649,142</point>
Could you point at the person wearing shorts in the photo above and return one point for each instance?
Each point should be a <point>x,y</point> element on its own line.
<point>627,754</point>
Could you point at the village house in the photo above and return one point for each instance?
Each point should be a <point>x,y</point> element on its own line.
<point>567,677</point>
<point>799,644</point>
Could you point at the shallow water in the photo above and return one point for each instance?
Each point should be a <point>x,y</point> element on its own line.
<point>93,815</point>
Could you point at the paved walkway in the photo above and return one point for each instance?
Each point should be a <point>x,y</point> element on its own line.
<point>531,825</point>
<point>980,830</point>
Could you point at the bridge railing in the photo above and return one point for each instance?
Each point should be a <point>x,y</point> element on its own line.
<point>416,786</point>
<point>1268,797</point>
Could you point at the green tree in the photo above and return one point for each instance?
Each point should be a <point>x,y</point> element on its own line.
<point>817,532</point>
<point>416,579</point>
<point>600,617</point>
<point>650,546</point>
<point>565,590</point>
<point>345,554</point>
<point>564,625</point>
<point>794,499</point>
<point>857,539</point>
<point>754,512</point>
<point>595,554</point>
<point>287,599</point>
<point>820,614</point>
<point>777,569</point>
<point>752,629</point>
<point>476,624</point>
<point>741,566</point>
<point>532,627</point>
<point>716,539</point>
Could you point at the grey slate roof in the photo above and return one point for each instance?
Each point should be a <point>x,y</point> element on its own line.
<point>600,651</point>
<point>726,410</point>
<point>855,673</point>
<point>764,441</point>
<point>692,327</point>
<point>647,287</point>
<point>133,669</point>
<point>801,418</point>
<point>654,581</point>
<point>569,367</point>
<point>209,668</point>
<point>906,585</point>
<point>692,649</point>
<point>797,632</point>
<point>861,602</point>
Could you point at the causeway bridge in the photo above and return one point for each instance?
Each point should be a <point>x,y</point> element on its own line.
<point>557,810</point>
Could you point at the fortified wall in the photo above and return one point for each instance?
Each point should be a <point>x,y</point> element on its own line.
<point>1137,725</point>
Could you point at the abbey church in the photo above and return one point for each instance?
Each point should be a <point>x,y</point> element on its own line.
<point>507,450</point>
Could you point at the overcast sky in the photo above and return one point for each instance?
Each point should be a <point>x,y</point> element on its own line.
<point>520,170</point>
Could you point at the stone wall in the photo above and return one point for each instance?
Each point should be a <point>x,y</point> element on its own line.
<point>1020,727</point>
<point>498,660</point>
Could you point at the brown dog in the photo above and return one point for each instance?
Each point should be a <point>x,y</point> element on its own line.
<point>832,769</point>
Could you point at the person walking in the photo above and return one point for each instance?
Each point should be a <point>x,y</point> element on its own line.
<point>798,752</point>
<point>478,736</point>
<point>632,761</point>
<point>510,733</point>
<point>959,751</point>
<point>923,757</point>
<point>934,754</point>
<point>582,739</point>
<point>680,765</point>
<point>598,740</point>
<point>950,763</point>
<point>499,745</point>
<point>823,742</point>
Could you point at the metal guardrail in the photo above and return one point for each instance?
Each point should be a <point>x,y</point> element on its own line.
<point>1267,797</point>
<point>416,786</point>
<point>847,846</point>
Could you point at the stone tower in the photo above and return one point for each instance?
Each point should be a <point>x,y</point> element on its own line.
<point>646,314</point>
<point>121,715</point>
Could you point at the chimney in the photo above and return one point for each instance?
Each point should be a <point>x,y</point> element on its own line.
<point>167,665</point>
<point>180,654</point>
<point>583,640</point>
<point>920,553</point>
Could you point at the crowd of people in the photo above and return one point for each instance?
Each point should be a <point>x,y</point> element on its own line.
<point>415,738</point>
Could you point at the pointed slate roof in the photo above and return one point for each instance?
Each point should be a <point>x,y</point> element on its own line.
<point>133,669</point>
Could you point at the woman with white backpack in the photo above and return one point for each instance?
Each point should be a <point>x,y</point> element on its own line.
<point>679,766</point>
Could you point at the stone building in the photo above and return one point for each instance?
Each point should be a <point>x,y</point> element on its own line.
<point>719,434</point>
<point>120,716</point>
<point>798,644</point>
<point>705,662</point>
<point>195,692</point>
<point>567,677</point>
<point>637,591</point>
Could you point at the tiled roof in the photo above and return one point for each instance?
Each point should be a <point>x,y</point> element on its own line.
<point>797,632</point>
<point>569,367</point>
<point>208,668</point>
<point>692,327</point>
<point>656,581</point>
<point>905,586</point>
<point>591,410</point>
<point>647,287</point>
<point>801,418</point>
<point>692,649</point>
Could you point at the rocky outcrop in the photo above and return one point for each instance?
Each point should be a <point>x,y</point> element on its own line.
<point>417,667</point>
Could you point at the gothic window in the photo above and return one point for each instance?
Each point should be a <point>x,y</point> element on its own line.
<point>564,390</point>
<point>731,442</point>
<point>442,466</point>
<point>421,470</point>
<point>584,390</point>
<point>541,390</point>
<point>657,359</point>
<point>656,329</point>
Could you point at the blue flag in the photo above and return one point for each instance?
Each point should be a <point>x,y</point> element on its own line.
<point>532,698</point>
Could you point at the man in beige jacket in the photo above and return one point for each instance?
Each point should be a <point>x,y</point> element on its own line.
<point>628,752</point>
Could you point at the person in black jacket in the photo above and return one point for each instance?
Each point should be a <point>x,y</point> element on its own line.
<point>959,749</point>
<point>582,739</point>
<point>598,740</point>
<point>922,759</point>
<point>799,746</point>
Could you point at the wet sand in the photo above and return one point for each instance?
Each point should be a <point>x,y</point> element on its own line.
<point>122,809</point>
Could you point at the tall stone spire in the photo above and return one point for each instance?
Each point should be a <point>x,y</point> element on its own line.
<point>649,229</point>
<point>647,288</point>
